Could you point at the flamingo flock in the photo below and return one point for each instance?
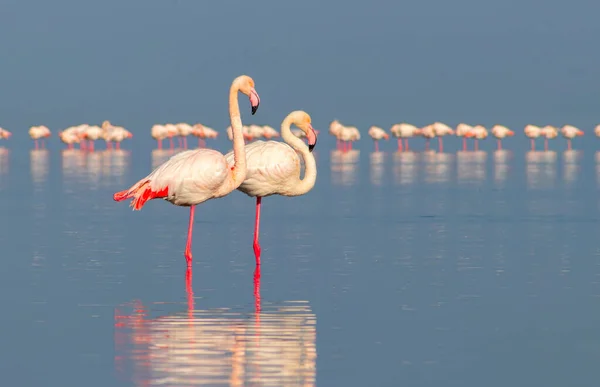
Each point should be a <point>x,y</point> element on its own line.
<point>346,135</point>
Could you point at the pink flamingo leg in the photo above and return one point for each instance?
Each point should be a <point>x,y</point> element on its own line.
<point>257,291</point>
<point>464,143</point>
<point>171,142</point>
<point>532,144</point>
<point>188,245</point>
<point>441,145</point>
<point>499,144</point>
<point>185,142</point>
<point>118,145</point>
<point>159,144</point>
<point>476,144</point>
<point>108,145</point>
<point>427,144</point>
<point>399,145</point>
<point>91,147</point>
<point>37,146</point>
<point>569,144</point>
<point>337,144</point>
<point>406,148</point>
<point>256,245</point>
<point>70,146</point>
<point>43,143</point>
<point>376,146</point>
<point>545,144</point>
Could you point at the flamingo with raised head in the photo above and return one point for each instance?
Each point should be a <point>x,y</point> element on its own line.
<point>195,176</point>
<point>377,134</point>
<point>501,132</point>
<point>274,167</point>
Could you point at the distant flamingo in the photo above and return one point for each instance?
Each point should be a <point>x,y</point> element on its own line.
<point>195,176</point>
<point>569,132</point>
<point>597,130</point>
<point>159,133</point>
<point>461,131</point>
<point>274,167</point>
<point>335,128</point>
<point>533,132</point>
<point>404,131</point>
<point>4,134</point>
<point>39,133</point>
<point>377,134</point>
<point>440,131</point>
<point>479,132</point>
<point>549,132</point>
<point>501,132</point>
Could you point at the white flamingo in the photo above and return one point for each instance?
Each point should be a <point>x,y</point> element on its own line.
<point>274,167</point>
<point>195,176</point>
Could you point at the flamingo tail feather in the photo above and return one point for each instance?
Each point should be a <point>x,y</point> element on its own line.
<point>140,193</point>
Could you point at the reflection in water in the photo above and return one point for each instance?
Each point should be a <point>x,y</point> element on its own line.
<point>344,167</point>
<point>219,347</point>
<point>540,169</point>
<point>159,156</point>
<point>437,166</point>
<point>571,165</point>
<point>471,166</point>
<point>106,167</point>
<point>405,168</point>
<point>501,158</point>
<point>377,167</point>
<point>39,163</point>
<point>4,160</point>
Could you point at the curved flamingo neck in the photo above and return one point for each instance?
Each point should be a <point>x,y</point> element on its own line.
<point>239,150</point>
<point>310,166</point>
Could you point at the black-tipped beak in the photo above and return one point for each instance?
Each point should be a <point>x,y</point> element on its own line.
<point>254,109</point>
<point>312,146</point>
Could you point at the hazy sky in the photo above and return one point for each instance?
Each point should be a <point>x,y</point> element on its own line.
<point>371,62</point>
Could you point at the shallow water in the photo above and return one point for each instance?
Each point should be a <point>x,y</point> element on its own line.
<point>417,268</point>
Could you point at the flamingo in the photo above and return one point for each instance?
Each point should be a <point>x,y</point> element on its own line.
<point>461,131</point>
<point>159,133</point>
<point>274,167</point>
<point>335,128</point>
<point>549,132</point>
<point>93,133</point>
<point>597,130</point>
<point>479,132</point>
<point>70,136</point>
<point>440,131</point>
<point>533,132</point>
<point>405,131</point>
<point>4,134</point>
<point>501,132</point>
<point>117,134</point>
<point>172,131</point>
<point>195,176</point>
<point>569,132</point>
<point>39,133</point>
<point>429,133</point>
<point>377,134</point>
<point>184,130</point>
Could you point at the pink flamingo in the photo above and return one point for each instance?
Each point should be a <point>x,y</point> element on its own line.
<point>377,134</point>
<point>274,167</point>
<point>195,176</point>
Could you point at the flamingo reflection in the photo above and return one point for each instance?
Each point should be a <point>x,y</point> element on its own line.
<point>220,346</point>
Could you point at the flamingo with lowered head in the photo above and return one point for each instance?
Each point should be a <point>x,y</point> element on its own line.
<point>533,132</point>
<point>377,134</point>
<point>195,176</point>
<point>274,167</point>
<point>501,132</point>
<point>569,132</point>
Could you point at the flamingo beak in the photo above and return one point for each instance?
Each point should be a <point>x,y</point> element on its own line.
<point>312,138</point>
<point>511,133</point>
<point>254,100</point>
<point>580,133</point>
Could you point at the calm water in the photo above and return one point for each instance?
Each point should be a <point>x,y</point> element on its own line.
<point>398,269</point>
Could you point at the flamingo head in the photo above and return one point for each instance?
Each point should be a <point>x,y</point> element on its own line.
<point>580,132</point>
<point>129,135</point>
<point>246,86</point>
<point>105,124</point>
<point>304,122</point>
<point>510,133</point>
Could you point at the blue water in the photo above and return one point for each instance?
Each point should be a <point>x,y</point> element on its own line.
<point>420,269</point>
